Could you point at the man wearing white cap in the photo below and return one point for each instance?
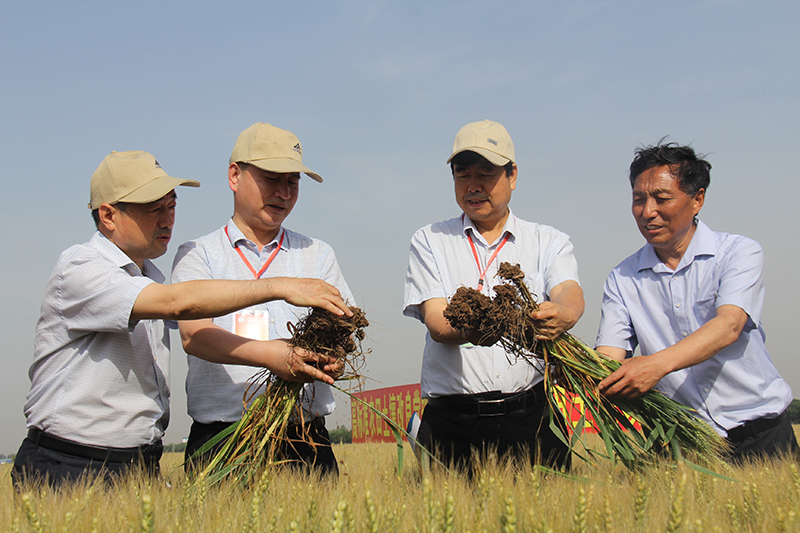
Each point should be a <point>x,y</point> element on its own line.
<point>264,175</point>
<point>478,396</point>
<point>99,397</point>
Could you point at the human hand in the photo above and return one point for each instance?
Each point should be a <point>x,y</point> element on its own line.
<point>633,378</point>
<point>310,292</point>
<point>552,319</point>
<point>304,366</point>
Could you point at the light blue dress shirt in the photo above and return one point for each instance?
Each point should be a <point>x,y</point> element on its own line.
<point>441,261</point>
<point>648,305</point>
<point>214,391</point>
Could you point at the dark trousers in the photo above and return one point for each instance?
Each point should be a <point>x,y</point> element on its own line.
<point>524,433</point>
<point>38,462</point>
<point>295,450</point>
<point>771,437</point>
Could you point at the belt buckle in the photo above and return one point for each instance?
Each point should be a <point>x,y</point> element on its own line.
<point>498,407</point>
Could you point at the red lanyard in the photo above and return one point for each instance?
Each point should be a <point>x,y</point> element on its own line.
<point>478,262</point>
<point>269,260</point>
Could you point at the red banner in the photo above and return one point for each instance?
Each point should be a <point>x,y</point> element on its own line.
<point>397,403</point>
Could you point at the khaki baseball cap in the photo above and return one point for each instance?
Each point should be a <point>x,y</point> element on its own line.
<point>134,177</point>
<point>487,138</point>
<point>272,149</point>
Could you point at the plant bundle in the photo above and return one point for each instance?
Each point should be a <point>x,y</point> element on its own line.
<point>570,366</point>
<point>253,443</point>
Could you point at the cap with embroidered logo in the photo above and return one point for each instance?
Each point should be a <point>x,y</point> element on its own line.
<point>133,177</point>
<point>487,138</point>
<point>271,149</point>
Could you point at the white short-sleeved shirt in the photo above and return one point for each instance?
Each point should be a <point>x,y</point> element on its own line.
<point>97,378</point>
<point>214,391</point>
<point>441,261</point>
<point>646,304</point>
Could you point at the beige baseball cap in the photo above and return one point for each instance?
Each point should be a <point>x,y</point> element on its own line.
<point>272,149</point>
<point>487,138</point>
<point>134,177</point>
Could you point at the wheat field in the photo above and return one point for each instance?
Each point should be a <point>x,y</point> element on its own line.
<point>369,496</point>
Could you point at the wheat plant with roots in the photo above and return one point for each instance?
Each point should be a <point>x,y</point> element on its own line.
<point>252,444</point>
<point>571,369</point>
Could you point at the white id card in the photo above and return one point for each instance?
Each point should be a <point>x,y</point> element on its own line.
<point>252,324</point>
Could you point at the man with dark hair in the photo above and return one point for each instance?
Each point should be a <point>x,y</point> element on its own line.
<point>264,176</point>
<point>99,397</point>
<point>691,300</point>
<point>479,397</point>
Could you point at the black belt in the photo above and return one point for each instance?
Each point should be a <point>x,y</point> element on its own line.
<point>489,404</point>
<point>96,453</point>
<point>216,427</point>
<point>754,427</point>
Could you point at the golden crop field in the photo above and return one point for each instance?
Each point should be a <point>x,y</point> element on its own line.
<point>369,496</point>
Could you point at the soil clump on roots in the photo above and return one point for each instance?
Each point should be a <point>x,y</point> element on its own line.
<point>506,317</point>
<point>340,336</point>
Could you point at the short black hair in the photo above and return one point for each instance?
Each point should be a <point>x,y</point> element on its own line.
<point>469,158</point>
<point>690,170</point>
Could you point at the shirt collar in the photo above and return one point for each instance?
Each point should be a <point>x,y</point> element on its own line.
<point>509,227</point>
<point>702,244</point>
<point>121,259</point>
<point>236,236</point>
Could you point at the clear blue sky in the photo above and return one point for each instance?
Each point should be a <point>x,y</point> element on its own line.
<point>376,92</point>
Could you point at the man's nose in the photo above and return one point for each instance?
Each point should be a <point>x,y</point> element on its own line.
<point>167,219</point>
<point>650,208</point>
<point>474,183</point>
<point>282,190</point>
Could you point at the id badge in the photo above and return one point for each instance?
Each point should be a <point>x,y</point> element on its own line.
<point>252,324</point>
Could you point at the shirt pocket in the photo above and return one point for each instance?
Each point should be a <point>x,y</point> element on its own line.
<point>705,306</point>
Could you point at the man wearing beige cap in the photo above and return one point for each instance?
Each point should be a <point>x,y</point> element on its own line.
<point>478,396</point>
<point>99,397</point>
<point>264,175</point>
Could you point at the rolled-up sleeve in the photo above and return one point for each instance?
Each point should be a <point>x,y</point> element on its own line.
<point>95,299</point>
<point>742,280</point>
<point>616,328</point>
<point>423,279</point>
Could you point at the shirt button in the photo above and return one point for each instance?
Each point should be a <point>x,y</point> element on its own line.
<point>498,374</point>
<point>677,305</point>
<point>706,390</point>
<point>684,333</point>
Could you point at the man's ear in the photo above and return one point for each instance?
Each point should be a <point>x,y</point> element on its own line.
<point>698,201</point>
<point>106,214</point>
<point>512,177</point>
<point>234,173</point>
